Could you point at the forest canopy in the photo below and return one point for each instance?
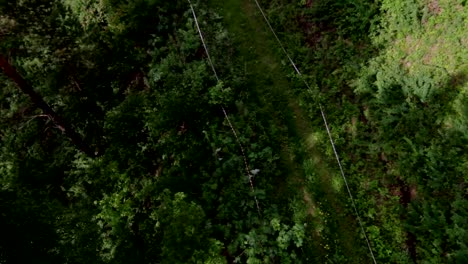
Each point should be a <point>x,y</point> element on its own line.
<point>120,144</point>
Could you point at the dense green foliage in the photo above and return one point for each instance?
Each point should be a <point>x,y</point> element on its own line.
<point>168,183</point>
<point>393,77</point>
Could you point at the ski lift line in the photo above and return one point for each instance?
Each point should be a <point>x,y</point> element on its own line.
<point>203,41</point>
<point>246,164</point>
<point>247,169</point>
<point>346,183</point>
<point>327,128</point>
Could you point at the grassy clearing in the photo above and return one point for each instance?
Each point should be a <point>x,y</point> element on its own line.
<point>314,190</point>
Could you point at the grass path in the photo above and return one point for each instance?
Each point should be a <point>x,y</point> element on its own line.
<point>313,190</point>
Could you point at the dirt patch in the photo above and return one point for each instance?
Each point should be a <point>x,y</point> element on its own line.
<point>314,32</point>
<point>309,203</point>
<point>434,7</point>
<point>433,51</point>
<point>423,51</point>
<point>407,194</point>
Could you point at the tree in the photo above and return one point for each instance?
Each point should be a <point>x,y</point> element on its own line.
<point>11,72</point>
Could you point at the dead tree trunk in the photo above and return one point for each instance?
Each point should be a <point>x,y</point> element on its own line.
<point>24,86</point>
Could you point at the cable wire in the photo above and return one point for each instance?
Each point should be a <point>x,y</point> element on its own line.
<point>246,164</point>
<point>327,128</point>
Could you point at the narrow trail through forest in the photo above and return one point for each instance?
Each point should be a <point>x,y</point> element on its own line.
<point>332,229</point>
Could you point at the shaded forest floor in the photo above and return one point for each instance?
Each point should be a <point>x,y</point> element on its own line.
<point>313,189</point>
